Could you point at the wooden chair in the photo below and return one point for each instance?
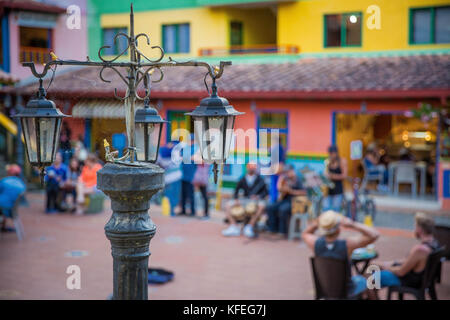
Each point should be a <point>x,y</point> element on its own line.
<point>331,278</point>
<point>429,279</point>
<point>442,235</point>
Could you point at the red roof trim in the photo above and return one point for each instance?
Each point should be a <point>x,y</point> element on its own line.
<point>31,6</point>
<point>314,95</point>
<point>359,94</point>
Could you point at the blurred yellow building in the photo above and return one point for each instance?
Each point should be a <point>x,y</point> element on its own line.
<point>232,27</point>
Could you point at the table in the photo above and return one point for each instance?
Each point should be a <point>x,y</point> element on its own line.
<point>421,166</point>
<point>363,257</point>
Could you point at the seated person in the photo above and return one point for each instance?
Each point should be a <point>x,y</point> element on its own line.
<point>10,189</point>
<point>54,180</point>
<point>70,185</point>
<point>410,271</point>
<point>87,182</point>
<point>328,244</point>
<point>255,190</point>
<point>279,213</point>
<point>374,166</point>
<point>406,155</point>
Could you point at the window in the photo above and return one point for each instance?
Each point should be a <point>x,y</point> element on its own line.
<point>176,38</point>
<point>35,44</point>
<point>236,33</point>
<point>430,25</point>
<point>108,40</point>
<point>342,30</point>
<point>271,121</point>
<point>178,120</point>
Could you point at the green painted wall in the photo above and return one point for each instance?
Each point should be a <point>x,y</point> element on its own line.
<point>228,2</point>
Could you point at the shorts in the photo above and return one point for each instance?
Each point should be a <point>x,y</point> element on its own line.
<point>389,279</point>
<point>358,285</point>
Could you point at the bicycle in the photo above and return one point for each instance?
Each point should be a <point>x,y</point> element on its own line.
<point>360,202</point>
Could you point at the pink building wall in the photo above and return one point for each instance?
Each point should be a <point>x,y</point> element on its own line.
<point>306,118</point>
<point>66,43</point>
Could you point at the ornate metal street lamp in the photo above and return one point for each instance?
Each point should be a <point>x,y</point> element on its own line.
<point>129,183</point>
<point>41,123</point>
<point>213,128</point>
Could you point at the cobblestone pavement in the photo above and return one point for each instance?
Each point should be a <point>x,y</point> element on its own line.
<point>206,265</point>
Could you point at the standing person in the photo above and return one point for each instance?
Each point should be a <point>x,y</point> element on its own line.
<point>87,182</point>
<point>200,181</point>
<point>172,174</point>
<point>278,150</point>
<point>188,169</point>
<point>81,152</point>
<point>289,185</point>
<point>70,185</point>
<point>329,244</point>
<point>11,187</point>
<point>64,142</point>
<point>254,190</point>
<point>55,179</point>
<point>336,171</point>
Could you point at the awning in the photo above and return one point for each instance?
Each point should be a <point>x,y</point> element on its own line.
<point>101,109</point>
<point>36,19</point>
<point>8,124</point>
<point>6,78</point>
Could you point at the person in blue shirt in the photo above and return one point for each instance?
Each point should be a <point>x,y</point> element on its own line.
<point>11,187</point>
<point>188,168</point>
<point>56,176</point>
<point>172,174</point>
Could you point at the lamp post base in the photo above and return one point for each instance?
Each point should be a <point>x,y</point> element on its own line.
<point>130,228</point>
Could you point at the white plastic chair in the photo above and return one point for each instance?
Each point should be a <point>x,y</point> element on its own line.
<point>405,173</point>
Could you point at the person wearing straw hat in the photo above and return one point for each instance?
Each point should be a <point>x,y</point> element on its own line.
<point>11,187</point>
<point>329,244</point>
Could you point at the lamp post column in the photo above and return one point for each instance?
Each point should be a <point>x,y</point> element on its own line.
<point>130,227</point>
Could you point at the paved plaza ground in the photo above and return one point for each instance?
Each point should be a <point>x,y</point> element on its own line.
<point>206,265</point>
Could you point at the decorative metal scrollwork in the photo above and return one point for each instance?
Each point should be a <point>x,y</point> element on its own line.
<point>139,69</point>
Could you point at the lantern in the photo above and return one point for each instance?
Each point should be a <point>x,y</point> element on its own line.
<point>213,128</point>
<point>148,133</point>
<point>41,125</point>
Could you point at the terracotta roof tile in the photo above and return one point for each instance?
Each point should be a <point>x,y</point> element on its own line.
<point>424,72</point>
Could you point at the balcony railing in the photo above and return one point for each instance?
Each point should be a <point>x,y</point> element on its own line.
<point>34,54</point>
<point>249,49</point>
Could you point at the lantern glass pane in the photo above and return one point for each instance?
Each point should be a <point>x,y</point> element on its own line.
<point>147,141</point>
<point>47,139</point>
<point>214,138</point>
<point>57,141</point>
<point>229,136</point>
<point>29,133</point>
<point>199,133</point>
